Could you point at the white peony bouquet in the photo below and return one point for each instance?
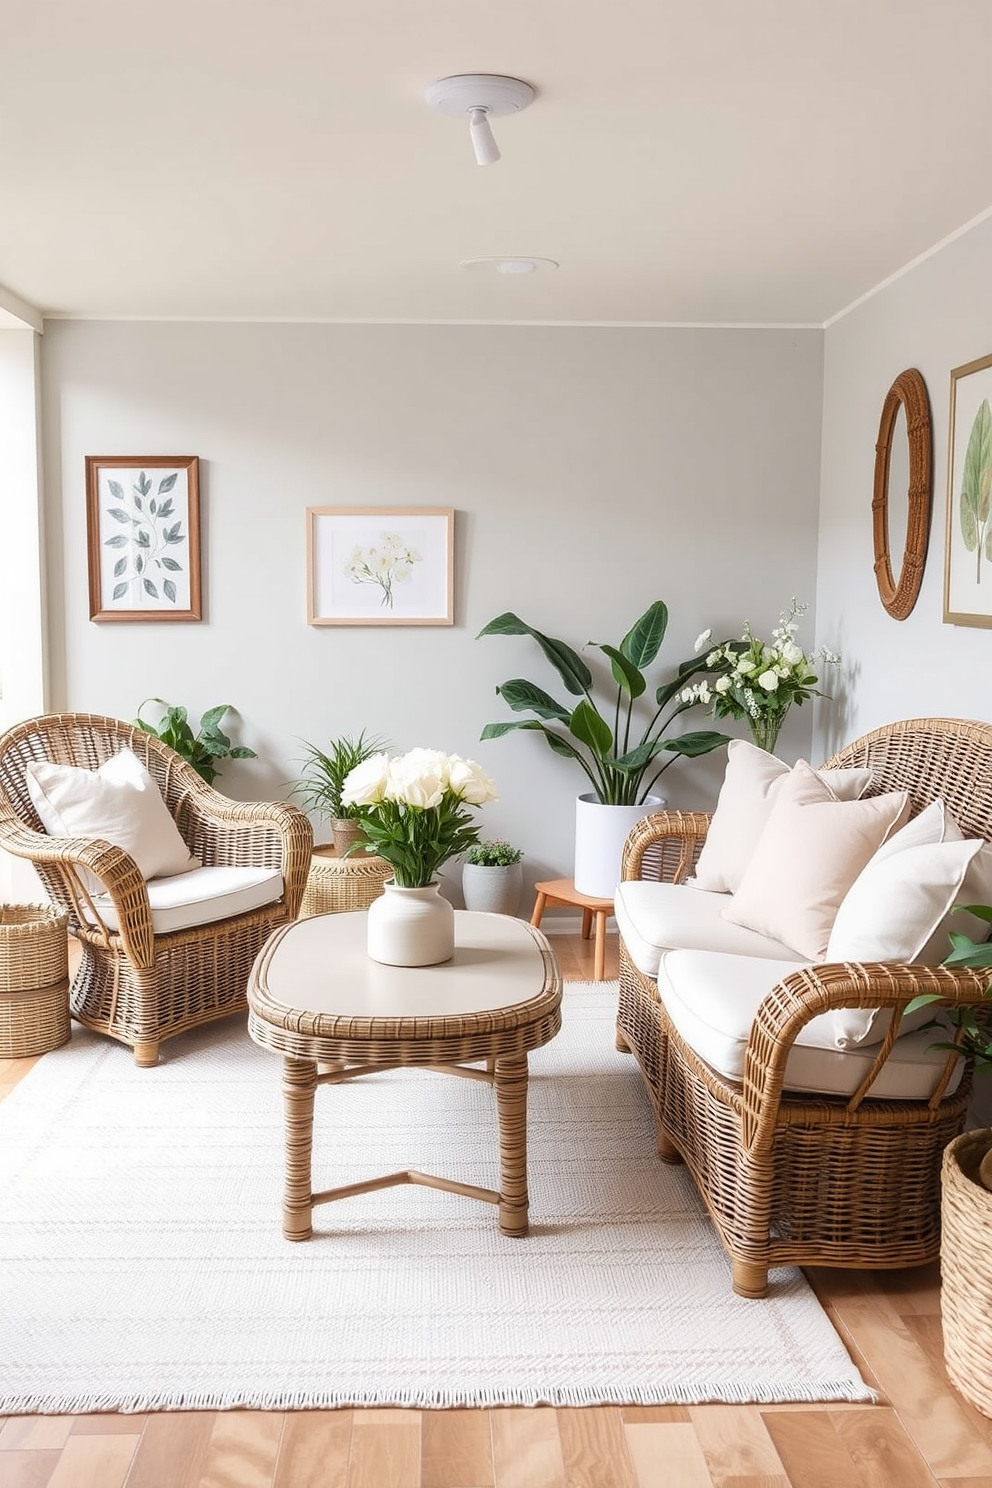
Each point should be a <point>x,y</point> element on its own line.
<point>413,809</point>
<point>758,680</point>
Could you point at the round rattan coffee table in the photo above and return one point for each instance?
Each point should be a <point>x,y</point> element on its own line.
<point>316,998</point>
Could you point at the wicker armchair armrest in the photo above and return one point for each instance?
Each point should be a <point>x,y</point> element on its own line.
<point>116,870</point>
<point>804,994</point>
<point>269,834</point>
<point>665,845</point>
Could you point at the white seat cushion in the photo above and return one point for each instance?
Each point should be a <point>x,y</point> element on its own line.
<point>654,917</point>
<point>199,897</point>
<point>712,1000</point>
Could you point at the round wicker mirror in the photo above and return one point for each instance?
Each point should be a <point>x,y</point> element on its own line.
<point>906,396</point>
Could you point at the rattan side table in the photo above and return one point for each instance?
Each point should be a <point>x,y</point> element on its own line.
<point>34,979</point>
<point>335,885</point>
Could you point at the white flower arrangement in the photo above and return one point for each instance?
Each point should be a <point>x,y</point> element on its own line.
<point>758,680</point>
<point>412,809</point>
<point>387,563</point>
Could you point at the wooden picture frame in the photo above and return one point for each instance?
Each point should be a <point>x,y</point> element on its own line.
<point>143,537</point>
<point>968,544</point>
<point>380,565</point>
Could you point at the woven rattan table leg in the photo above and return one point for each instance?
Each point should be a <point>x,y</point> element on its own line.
<point>299,1084</point>
<point>510,1079</point>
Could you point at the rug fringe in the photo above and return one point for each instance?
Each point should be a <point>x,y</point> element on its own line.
<point>850,1391</point>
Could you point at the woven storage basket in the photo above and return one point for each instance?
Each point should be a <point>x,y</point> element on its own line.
<point>34,979</point>
<point>336,884</point>
<point>966,1269</point>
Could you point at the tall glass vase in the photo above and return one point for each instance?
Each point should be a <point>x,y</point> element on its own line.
<point>765,730</point>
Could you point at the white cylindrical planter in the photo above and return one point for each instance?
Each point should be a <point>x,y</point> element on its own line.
<point>600,834</point>
<point>410,927</point>
<point>495,890</point>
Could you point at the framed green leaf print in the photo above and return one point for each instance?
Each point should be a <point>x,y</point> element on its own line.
<point>143,537</point>
<point>968,551</point>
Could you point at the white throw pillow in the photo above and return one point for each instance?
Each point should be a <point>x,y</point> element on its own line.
<point>118,803</point>
<point>811,851</point>
<point>751,784</point>
<point>899,907</point>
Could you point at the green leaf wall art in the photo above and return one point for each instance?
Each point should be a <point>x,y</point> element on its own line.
<point>146,560</point>
<point>143,533</point>
<point>976,481</point>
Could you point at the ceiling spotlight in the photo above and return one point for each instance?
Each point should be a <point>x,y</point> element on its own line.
<point>517,265</point>
<point>475,96</point>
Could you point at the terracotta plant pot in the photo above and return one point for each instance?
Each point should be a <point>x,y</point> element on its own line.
<point>347,832</point>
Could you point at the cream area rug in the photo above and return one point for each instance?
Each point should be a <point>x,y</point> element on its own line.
<point>143,1265</point>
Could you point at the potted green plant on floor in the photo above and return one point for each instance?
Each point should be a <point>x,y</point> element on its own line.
<point>321,784</point>
<point>492,877</point>
<point>622,750</point>
<point>201,749</point>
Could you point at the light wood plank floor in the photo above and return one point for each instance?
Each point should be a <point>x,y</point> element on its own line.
<point>921,1433</point>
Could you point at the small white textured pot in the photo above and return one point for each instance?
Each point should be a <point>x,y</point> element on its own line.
<point>410,927</point>
<point>495,890</point>
<point>600,834</point>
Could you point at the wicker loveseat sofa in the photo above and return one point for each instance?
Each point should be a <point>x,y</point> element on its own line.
<point>793,1175</point>
<point>158,955</point>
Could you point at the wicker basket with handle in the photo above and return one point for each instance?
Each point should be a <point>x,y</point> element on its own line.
<point>34,979</point>
<point>966,1268</point>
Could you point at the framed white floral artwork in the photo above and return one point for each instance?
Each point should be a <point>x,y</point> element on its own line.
<point>380,565</point>
<point>968,551</point>
<point>143,537</point>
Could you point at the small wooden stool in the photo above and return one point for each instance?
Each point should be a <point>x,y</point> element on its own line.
<point>563,891</point>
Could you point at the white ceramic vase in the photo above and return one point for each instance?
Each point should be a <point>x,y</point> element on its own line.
<point>493,889</point>
<point>410,927</point>
<point>600,834</point>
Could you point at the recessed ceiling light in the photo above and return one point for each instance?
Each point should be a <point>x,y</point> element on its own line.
<point>507,265</point>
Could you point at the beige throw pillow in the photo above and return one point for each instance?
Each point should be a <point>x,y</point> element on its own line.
<point>751,784</point>
<point>118,803</point>
<point>812,849</point>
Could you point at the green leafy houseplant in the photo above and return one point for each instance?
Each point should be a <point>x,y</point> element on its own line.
<point>493,853</point>
<point>321,783</point>
<point>201,749</point>
<point>321,786</point>
<point>975,1032</point>
<point>618,754</point>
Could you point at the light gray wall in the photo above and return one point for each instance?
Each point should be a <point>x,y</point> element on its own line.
<point>937,316</point>
<point>592,471</point>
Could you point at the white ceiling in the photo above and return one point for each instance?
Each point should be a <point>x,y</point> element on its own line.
<point>685,161</point>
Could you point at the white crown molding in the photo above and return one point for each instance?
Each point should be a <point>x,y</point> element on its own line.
<point>938,247</point>
<point>17,314</point>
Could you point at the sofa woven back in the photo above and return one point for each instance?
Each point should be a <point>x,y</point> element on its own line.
<point>950,758</point>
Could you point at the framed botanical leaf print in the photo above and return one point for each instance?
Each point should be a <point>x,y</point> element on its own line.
<point>143,537</point>
<point>968,553</point>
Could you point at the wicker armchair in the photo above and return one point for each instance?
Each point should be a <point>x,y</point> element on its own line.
<point>793,1179</point>
<point>133,984</point>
